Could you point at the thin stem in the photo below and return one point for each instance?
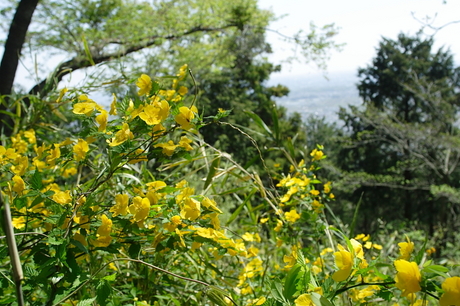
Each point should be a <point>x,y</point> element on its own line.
<point>362,284</point>
<point>133,260</point>
<point>26,233</point>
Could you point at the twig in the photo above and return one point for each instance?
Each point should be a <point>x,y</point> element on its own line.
<point>18,275</point>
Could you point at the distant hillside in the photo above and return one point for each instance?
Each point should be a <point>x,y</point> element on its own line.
<point>314,94</point>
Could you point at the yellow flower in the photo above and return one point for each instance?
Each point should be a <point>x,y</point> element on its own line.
<point>121,205</point>
<point>184,142</point>
<point>256,302</point>
<point>62,197</point>
<point>191,209</point>
<point>176,220</point>
<point>279,225</point>
<point>316,154</point>
<point>406,249</point>
<point>101,119</point>
<point>102,241</point>
<point>156,185</point>
<point>408,277</point>
<point>156,113</point>
<point>121,136</point>
<point>292,216</point>
<point>19,184</point>
<point>19,222</point>
<point>211,205</point>
<point>451,295</point>
<point>182,90</point>
<point>22,163</point>
<point>106,226</point>
<point>263,220</point>
<point>327,187</point>
<point>304,300</point>
<point>67,172</point>
<point>140,209</point>
<point>185,116</point>
<point>80,149</point>
<point>168,148</point>
<point>30,135</point>
<point>84,108</point>
<point>80,238</point>
<point>344,262</point>
<point>145,85</point>
<point>113,105</point>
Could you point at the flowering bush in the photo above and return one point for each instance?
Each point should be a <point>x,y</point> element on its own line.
<point>122,209</point>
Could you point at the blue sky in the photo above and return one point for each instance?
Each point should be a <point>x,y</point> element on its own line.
<point>362,23</point>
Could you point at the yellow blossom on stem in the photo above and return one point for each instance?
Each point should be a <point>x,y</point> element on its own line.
<point>102,119</point>
<point>184,142</point>
<point>22,163</point>
<point>316,154</point>
<point>62,197</point>
<point>344,262</point>
<point>80,149</point>
<point>211,205</point>
<point>182,90</point>
<point>191,209</point>
<point>140,210</point>
<point>19,222</point>
<point>19,184</point>
<point>121,136</point>
<point>156,113</point>
<point>451,295</point>
<point>327,187</point>
<point>30,135</point>
<point>185,116</point>
<point>292,216</point>
<point>113,105</point>
<point>168,148</point>
<point>102,241</point>
<point>408,277</point>
<point>80,238</point>
<point>279,225</point>
<point>106,226</point>
<point>406,249</point>
<point>85,106</point>
<point>304,300</point>
<point>144,82</point>
<point>176,220</point>
<point>121,205</point>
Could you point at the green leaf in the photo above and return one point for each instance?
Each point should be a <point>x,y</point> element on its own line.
<point>384,294</point>
<point>260,123</point>
<point>87,302</point>
<point>277,291</point>
<point>36,181</point>
<point>110,277</point>
<point>212,171</point>
<point>134,250</point>
<point>217,295</point>
<point>436,269</point>
<point>290,282</point>
<point>103,291</point>
<point>319,300</point>
<point>20,202</point>
<point>238,210</point>
<point>55,241</point>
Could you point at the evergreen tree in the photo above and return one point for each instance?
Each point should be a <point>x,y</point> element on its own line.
<point>401,147</point>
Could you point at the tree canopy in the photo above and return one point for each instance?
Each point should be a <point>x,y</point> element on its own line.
<point>403,141</point>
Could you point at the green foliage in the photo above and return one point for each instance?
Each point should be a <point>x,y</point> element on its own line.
<point>402,142</point>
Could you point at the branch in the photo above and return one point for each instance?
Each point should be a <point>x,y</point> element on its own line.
<point>81,61</point>
<point>13,44</point>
